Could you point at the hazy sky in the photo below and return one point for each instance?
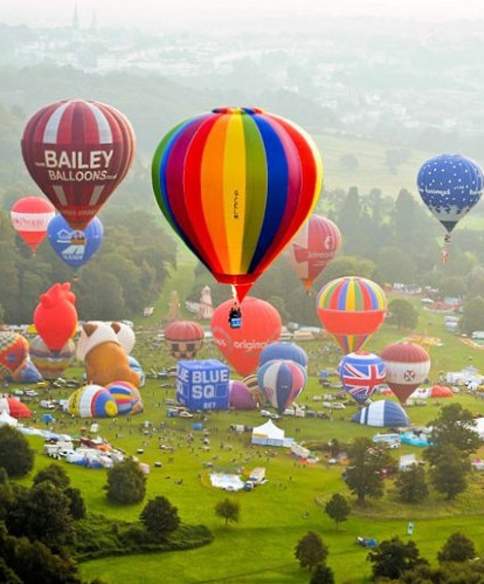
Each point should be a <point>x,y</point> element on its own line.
<point>152,13</point>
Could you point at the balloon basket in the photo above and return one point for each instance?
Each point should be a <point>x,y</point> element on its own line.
<point>445,249</point>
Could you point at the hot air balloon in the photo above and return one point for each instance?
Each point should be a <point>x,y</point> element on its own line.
<point>14,407</point>
<point>55,317</point>
<point>78,152</point>
<point>250,381</point>
<point>92,401</point>
<point>351,309</point>
<point>315,245</point>
<point>236,184</point>
<point>184,338</point>
<point>241,397</point>
<point>361,373</point>
<point>407,366</point>
<point>242,347</point>
<point>14,352</point>
<point>73,246</point>
<point>281,381</point>
<point>284,350</point>
<point>126,396</point>
<point>30,217</point>
<point>51,364</point>
<point>382,413</point>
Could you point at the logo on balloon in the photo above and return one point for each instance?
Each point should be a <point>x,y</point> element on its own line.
<point>77,166</point>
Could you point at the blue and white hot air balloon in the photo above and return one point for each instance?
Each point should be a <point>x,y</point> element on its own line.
<point>383,413</point>
<point>361,373</point>
<point>75,247</point>
<point>283,350</point>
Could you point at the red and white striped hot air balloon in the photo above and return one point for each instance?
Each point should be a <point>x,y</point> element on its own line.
<point>407,366</point>
<point>313,248</point>
<point>78,152</point>
<point>30,217</point>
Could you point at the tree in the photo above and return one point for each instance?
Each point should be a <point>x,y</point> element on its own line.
<point>454,427</point>
<point>364,475</point>
<point>338,508</point>
<point>393,557</point>
<point>126,483</point>
<point>322,574</point>
<point>311,550</point>
<point>160,517</point>
<point>411,485</point>
<point>457,548</point>
<point>402,314</point>
<point>77,506</point>
<point>228,510</point>
<point>472,315</point>
<point>55,474</point>
<point>447,573</point>
<point>16,456</point>
<point>448,471</point>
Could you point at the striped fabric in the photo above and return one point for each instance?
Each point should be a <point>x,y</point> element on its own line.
<point>236,184</point>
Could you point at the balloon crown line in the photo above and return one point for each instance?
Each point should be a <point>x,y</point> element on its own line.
<point>238,110</point>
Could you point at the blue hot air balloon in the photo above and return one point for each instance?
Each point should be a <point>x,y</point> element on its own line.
<point>283,350</point>
<point>75,247</point>
<point>450,185</point>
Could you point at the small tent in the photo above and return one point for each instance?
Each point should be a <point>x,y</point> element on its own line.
<point>382,413</point>
<point>268,435</point>
<point>439,391</point>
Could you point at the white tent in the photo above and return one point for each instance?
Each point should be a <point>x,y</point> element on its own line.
<point>480,427</point>
<point>268,434</point>
<point>7,420</point>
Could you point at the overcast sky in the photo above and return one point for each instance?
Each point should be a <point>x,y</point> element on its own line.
<point>181,13</point>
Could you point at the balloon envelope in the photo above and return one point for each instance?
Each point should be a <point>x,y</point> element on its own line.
<point>382,413</point>
<point>450,185</point>
<point>73,246</point>
<point>240,396</point>
<point>14,351</point>
<point>184,338</point>
<point>361,373</point>
<point>351,309</point>
<point>30,217</point>
<point>407,366</point>
<point>261,325</point>
<point>284,350</point>
<point>314,246</point>
<point>51,364</point>
<point>78,152</point>
<point>55,317</point>
<point>92,401</point>
<point>281,381</point>
<point>126,396</point>
<point>236,184</point>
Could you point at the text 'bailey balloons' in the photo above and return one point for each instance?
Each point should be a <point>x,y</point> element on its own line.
<point>55,317</point>
<point>281,381</point>
<point>236,184</point>
<point>30,217</point>
<point>126,396</point>
<point>241,397</point>
<point>351,309</point>
<point>242,347</point>
<point>314,246</point>
<point>73,246</point>
<point>284,350</point>
<point>92,401</point>
<point>78,152</point>
<point>184,338</point>
<point>361,373</point>
<point>51,364</point>
<point>407,366</point>
<point>450,185</point>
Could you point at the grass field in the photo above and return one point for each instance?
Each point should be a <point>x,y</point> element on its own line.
<point>276,515</point>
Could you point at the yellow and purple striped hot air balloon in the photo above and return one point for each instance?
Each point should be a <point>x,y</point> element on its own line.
<point>236,184</point>
<point>351,309</point>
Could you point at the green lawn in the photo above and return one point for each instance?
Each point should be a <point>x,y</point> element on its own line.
<point>274,516</point>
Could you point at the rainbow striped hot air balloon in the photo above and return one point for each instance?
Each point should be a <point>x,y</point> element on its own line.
<point>351,309</point>
<point>236,184</point>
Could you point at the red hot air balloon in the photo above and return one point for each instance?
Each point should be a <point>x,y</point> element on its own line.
<point>30,217</point>
<point>313,248</point>
<point>184,338</point>
<point>242,347</point>
<point>407,366</point>
<point>55,317</point>
<point>78,152</point>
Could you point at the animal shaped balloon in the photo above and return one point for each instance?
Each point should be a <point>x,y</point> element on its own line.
<point>73,246</point>
<point>55,317</point>
<point>184,338</point>
<point>51,364</point>
<point>30,217</point>
<point>242,347</point>
<point>314,246</point>
<point>351,309</point>
<point>407,366</point>
<point>236,184</point>
<point>78,152</point>
<point>361,373</point>
<point>281,381</point>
